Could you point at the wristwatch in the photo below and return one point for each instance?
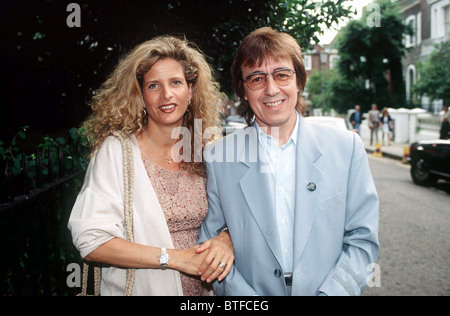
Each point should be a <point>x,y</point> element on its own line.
<point>164,258</point>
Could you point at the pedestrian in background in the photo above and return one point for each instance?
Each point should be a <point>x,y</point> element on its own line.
<point>356,119</point>
<point>386,126</point>
<point>445,123</point>
<point>374,123</point>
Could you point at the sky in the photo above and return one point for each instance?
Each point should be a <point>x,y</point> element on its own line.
<point>329,35</point>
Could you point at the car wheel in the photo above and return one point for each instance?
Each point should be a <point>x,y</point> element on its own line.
<point>420,172</point>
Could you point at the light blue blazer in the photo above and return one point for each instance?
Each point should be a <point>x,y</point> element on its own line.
<point>336,214</point>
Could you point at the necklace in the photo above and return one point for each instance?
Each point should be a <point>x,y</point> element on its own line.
<point>169,160</point>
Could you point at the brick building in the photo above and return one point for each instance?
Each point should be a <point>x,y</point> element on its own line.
<point>321,56</point>
<point>430,20</point>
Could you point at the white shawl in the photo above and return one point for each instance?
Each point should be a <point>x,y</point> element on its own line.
<point>98,216</point>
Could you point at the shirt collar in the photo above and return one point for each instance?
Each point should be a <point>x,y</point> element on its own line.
<point>293,138</point>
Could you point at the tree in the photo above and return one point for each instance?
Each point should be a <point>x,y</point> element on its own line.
<point>434,75</point>
<point>338,93</point>
<point>49,70</point>
<point>226,22</point>
<point>371,57</point>
<point>319,88</point>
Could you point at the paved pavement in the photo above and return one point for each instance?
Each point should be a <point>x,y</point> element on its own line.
<point>413,232</point>
<point>394,150</point>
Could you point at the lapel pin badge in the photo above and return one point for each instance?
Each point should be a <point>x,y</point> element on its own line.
<point>311,187</point>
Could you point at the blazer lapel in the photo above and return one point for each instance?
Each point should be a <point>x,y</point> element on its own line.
<point>309,182</point>
<point>255,186</point>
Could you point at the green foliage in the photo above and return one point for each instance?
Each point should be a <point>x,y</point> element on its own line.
<point>338,94</point>
<point>38,266</point>
<point>434,77</point>
<point>303,19</point>
<point>374,53</point>
<point>75,153</point>
<point>65,65</point>
<point>319,87</point>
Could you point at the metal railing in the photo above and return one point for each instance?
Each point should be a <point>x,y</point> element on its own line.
<point>35,244</point>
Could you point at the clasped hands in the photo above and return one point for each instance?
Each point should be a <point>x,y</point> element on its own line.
<point>211,260</point>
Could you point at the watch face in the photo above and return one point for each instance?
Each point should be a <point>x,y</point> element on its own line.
<point>164,258</point>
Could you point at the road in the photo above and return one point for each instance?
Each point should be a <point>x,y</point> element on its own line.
<point>414,233</point>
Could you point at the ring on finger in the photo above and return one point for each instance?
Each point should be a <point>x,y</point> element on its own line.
<point>222,265</point>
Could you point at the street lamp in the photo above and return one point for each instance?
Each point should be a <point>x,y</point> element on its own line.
<point>323,57</point>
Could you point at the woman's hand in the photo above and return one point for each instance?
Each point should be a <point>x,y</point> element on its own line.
<point>221,251</point>
<point>186,261</point>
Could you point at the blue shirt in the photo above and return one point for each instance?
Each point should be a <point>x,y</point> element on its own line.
<point>281,164</point>
<point>358,118</point>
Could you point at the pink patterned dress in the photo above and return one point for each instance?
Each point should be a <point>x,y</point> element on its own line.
<point>182,197</point>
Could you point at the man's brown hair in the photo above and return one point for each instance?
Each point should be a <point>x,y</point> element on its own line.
<point>256,48</point>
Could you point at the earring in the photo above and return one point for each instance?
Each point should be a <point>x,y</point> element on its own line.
<point>145,111</point>
<point>189,103</point>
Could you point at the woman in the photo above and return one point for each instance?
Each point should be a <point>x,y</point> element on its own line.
<point>386,122</point>
<point>163,84</point>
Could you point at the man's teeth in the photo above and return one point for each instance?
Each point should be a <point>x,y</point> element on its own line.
<point>168,107</point>
<point>274,103</point>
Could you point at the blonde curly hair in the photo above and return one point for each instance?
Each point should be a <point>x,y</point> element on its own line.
<point>118,104</point>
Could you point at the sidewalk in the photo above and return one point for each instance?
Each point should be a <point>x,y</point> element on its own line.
<point>394,151</point>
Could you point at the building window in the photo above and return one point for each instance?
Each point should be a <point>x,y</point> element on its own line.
<point>419,29</point>
<point>308,62</point>
<point>447,19</point>
<point>440,19</point>
<point>333,61</point>
<point>411,78</point>
<point>411,39</point>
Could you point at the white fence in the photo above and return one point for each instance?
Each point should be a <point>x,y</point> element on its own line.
<point>411,125</point>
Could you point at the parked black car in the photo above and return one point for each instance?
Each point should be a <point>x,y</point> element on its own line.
<point>430,161</point>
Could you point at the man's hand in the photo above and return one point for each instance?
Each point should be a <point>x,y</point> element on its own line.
<point>219,260</point>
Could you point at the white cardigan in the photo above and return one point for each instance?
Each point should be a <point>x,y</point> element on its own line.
<point>98,216</point>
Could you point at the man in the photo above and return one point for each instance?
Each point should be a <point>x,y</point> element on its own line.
<point>374,123</point>
<point>298,199</point>
<point>445,123</point>
<point>356,119</point>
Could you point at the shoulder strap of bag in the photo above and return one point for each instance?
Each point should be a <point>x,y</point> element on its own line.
<point>128,174</point>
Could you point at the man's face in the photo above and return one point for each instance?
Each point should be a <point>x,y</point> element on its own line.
<point>273,104</point>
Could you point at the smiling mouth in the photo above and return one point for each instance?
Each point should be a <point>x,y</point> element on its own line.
<point>273,104</point>
<point>168,108</point>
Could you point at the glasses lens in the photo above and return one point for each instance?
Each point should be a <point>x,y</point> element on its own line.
<point>256,81</point>
<point>283,77</point>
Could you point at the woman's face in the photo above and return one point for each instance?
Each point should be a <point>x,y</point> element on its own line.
<point>166,93</point>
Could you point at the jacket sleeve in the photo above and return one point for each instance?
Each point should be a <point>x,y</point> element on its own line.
<point>234,284</point>
<point>361,247</point>
<point>97,215</point>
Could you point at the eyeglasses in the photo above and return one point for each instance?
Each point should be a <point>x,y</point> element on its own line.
<point>258,80</point>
